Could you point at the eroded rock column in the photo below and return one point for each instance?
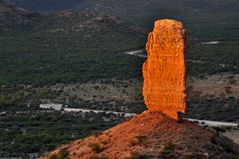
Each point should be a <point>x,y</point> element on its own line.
<point>164,69</point>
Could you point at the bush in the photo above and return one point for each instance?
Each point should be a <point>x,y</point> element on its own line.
<point>168,150</point>
<point>63,153</point>
<point>95,147</point>
<point>53,156</point>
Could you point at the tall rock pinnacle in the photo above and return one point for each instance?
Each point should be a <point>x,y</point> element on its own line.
<point>164,70</point>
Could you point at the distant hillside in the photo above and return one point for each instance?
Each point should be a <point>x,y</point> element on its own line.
<point>144,12</point>
<point>115,27</point>
<point>47,5</point>
<point>207,20</point>
<point>10,14</point>
<point>70,47</point>
<point>150,135</point>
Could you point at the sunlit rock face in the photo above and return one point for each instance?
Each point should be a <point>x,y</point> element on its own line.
<point>164,69</point>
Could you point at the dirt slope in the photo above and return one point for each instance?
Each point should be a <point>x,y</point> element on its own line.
<point>149,135</point>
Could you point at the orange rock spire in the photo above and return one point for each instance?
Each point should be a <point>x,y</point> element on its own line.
<point>164,70</point>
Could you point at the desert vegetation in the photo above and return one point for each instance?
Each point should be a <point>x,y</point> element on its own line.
<point>76,58</point>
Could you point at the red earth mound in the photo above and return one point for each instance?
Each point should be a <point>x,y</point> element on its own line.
<point>148,135</point>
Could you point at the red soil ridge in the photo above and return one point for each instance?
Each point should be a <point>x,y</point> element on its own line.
<point>147,134</point>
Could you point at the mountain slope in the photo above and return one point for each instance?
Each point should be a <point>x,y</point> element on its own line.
<point>150,135</point>
<point>47,5</point>
<point>145,11</point>
<point>207,20</point>
<point>10,14</point>
<point>214,20</point>
<point>69,47</point>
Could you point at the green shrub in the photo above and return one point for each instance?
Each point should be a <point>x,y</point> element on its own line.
<point>53,156</point>
<point>168,150</point>
<point>95,147</point>
<point>63,153</point>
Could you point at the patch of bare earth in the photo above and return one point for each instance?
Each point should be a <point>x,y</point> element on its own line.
<point>216,85</point>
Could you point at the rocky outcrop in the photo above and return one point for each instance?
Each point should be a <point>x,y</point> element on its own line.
<point>164,70</point>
